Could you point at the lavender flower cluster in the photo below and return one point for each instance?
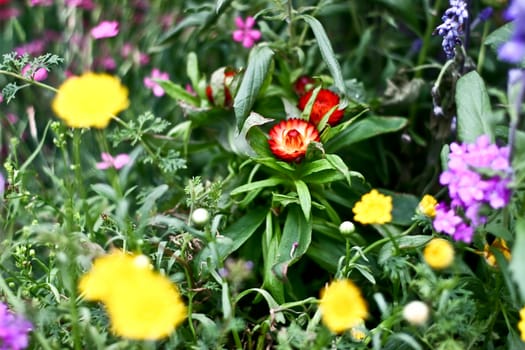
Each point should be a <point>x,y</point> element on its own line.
<point>478,176</point>
<point>452,27</point>
<point>513,51</point>
<point>14,330</point>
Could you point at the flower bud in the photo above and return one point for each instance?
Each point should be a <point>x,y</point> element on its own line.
<point>416,313</point>
<point>346,228</point>
<point>200,216</point>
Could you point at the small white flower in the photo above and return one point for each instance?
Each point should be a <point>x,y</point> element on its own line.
<point>416,313</point>
<point>200,216</point>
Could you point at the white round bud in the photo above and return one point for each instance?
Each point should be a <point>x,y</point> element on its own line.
<point>346,228</point>
<point>200,216</point>
<point>416,313</point>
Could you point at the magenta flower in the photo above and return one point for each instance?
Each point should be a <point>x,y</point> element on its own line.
<point>244,33</point>
<point>14,329</point>
<point>105,29</point>
<point>150,82</point>
<point>41,2</point>
<point>38,75</point>
<point>85,4</point>
<point>117,162</point>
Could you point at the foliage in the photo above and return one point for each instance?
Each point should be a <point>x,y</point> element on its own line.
<point>251,240</point>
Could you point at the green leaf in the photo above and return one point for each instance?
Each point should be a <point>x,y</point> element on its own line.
<point>405,242</point>
<point>252,186</point>
<point>192,69</point>
<point>295,240</point>
<point>253,80</point>
<point>364,129</point>
<point>240,231</point>
<point>327,52</point>
<point>178,92</point>
<point>517,263</point>
<point>149,201</point>
<point>304,197</point>
<point>500,36</point>
<point>474,112</point>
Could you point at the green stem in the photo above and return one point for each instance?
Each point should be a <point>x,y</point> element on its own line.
<point>291,32</point>
<point>431,25</point>
<point>482,50</point>
<point>29,81</point>
<point>382,241</point>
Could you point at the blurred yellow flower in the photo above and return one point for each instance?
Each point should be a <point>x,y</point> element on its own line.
<point>427,206</point>
<point>500,245</point>
<point>141,303</point>
<point>342,306</point>
<point>439,253</point>
<point>90,100</point>
<point>521,324</point>
<point>373,208</point>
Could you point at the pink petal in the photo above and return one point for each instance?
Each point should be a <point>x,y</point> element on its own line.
<point>247,42</point>
<point>148,82</point>
<point>250,21</point>
<point>238,35</point>
<point>239,23</point>
<point>106,157</point>
<point>254,34</point>
<point>103,165</point>
<point>121,160</point>
<point>158,91</point>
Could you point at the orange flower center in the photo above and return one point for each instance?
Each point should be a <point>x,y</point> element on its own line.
<point>293,139</point>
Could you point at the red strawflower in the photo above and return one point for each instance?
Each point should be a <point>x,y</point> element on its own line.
<point>290,138</point>
<point>303,84</point>
<point>229,74</point>
<point>326,100</point>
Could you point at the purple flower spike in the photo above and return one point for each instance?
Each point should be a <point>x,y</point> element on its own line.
<point>513,51</point>
<point>452,27</point>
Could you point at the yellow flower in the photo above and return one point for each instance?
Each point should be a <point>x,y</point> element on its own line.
<point>90,100</point>
<point>141,303</point>
<point>427,206</point>
<point>521,324</point>
<point>373,208</point>
<point>439,253</point>
<point>500,245</point>
<point>342,306</point>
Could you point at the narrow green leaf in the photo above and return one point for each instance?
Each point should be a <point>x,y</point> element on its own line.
<point>178,92</point>
<point>474,113</point>
<point>364,129</point>
<point>252,81</point>
<point>517,263</point>
<point>327,52</point>
<point>240,231</point>
<point>304,197</point>
<point>295,240</point>
<point>272,181</point>
<point>192,69</point>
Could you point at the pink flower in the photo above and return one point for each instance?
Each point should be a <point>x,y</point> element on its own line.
<point>32,48</point>
<point>105,29</point>
<point>244,33</point>
<point>8,12</point>
<point>41,2</point>
<point>38,75</point>
<point>108,161</point>
<point>149,82</point>
<point>85,4</point>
